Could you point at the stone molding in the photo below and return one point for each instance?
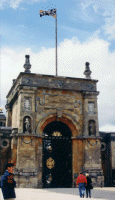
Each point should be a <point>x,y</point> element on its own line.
<point>90,94</point>
<point>52,116</point>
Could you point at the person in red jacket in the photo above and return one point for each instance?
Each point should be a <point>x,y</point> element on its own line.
<point>81,182</point>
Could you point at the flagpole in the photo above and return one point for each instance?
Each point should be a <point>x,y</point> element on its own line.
<point>56,41</point>
<point>52,12</point>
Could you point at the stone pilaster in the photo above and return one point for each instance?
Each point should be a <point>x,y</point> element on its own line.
<point>92,160</point>
<point>9,115</point>
<point>92,152</point>
<point>28,171</point>
<point>90,114</point>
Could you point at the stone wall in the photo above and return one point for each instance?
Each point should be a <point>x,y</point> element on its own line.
<point>28,161</point>
<point>113,153</point>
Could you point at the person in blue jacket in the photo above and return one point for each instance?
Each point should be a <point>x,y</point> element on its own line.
<point>8,183</point>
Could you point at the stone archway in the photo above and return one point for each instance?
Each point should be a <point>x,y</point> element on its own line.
<point>64,119</point>
<point>57,155</point>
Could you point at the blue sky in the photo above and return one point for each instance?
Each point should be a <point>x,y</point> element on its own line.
<point>22,26</point>
<point>86,33</point>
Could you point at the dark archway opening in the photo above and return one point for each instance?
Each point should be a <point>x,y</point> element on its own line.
<point>57,156</point>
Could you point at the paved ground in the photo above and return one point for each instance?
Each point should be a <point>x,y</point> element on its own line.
<point>61,194</point>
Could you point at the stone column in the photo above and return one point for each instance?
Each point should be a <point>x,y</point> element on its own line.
<point>9,115</point>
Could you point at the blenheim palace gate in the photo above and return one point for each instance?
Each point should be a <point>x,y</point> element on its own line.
<point>54,134</point>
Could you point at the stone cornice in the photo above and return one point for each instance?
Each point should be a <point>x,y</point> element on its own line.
<point>33,81</point>
<point>87,94</point>
<point>86,137</point>
<point>20,135</point>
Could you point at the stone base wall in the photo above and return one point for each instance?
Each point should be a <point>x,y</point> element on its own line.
<point>24,181</point>
<point>92,161</point>
<point>97,178</point>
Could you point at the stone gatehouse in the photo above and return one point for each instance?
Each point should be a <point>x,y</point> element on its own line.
<point>55,132</point>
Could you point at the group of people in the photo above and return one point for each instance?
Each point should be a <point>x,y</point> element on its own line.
<point>84,182</point>
<point>8,184</point>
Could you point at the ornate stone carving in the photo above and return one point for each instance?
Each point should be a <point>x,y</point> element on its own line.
<point>4,143</point>
<point>92,127</point>
<point>50,163</point>
<point>67,83</point>
<point>41,101</point>
<point>58,102</point>
<point>8,107</point>
<point>26,142</point>
<point>27,80</point>
<point>27,65</point>
<point>49,178</point>
<point>27,124</point>
<point>27,103</point>
<point>59,112</point>
<point>87,71</point>
<point>60,83</point>
<point>92,144</point>
<point>77,104</point>
<point>56,134</point>
<point>91,107</point>
<point>39,109</point>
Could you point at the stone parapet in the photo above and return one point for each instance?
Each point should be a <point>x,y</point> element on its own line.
<point>43,81</point>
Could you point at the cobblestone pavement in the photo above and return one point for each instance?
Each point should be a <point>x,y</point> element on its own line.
<point>62,194</point>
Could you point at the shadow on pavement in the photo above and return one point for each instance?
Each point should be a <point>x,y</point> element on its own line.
<point>96,193</point>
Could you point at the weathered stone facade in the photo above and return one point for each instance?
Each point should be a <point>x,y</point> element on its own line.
<point>2,119</point>
<point>36,102</point>
<point>5,148</point>
<point>113,158</point>
<point>113,153</point>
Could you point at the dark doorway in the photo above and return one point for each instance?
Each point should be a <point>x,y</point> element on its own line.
<point>106,158</point>
<point>57,156</point>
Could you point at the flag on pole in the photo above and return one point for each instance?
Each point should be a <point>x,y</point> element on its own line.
<point>51,12</point>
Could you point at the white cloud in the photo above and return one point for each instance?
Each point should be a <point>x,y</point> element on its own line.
<point>106,6</point>
<point>108,128</point>
<point>72,56</point>
<point>16,3</point>
<point>12,3</point>
<point>106,9</point>
<point>86,4</point>
<point>2,3</point>
<point>110,30</point>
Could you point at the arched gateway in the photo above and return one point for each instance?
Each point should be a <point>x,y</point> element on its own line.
<point>57,155</point>
<point>55,133</point>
